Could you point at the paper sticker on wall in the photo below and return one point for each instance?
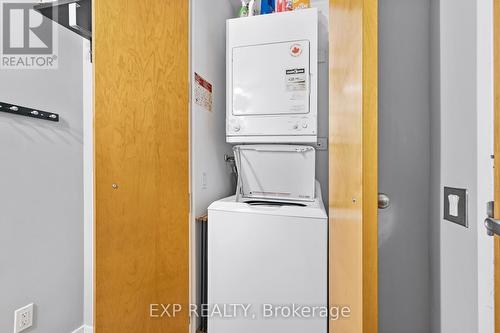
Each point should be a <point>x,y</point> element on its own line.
<point>202,92</point>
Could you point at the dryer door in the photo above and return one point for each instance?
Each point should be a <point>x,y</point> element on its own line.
<point>271,79</point>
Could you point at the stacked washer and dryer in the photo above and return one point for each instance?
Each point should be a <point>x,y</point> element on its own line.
<point>267,245</point>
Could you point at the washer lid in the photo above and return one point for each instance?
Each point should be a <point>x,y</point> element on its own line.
<point>314,209</point>
<point>230,205</point>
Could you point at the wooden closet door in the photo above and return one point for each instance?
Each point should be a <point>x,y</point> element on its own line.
<point>140,53</point>
<point>353,164</point>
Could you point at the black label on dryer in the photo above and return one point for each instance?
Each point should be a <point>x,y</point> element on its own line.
<point>295,71</point>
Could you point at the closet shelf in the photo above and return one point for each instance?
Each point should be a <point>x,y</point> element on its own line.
<point>75,15</point>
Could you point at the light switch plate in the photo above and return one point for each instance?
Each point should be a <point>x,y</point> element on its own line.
<point>455,205</point>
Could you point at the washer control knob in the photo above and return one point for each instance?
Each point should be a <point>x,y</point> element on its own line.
<point>296,126</point>
<point>236,128</point>
<point>304,125</point>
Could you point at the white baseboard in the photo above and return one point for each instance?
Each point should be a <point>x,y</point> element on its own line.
<point>84,329</point>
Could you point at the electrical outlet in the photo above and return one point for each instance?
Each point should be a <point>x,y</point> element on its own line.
<point>23,318</point>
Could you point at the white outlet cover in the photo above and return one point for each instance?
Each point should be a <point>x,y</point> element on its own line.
<point>23,318</point>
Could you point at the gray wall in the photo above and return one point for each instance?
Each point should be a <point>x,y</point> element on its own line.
<point>404,165</point>
<point>88,187</point>
<point>449,269</point>
<point>41,195</point>
<point>435,176</point>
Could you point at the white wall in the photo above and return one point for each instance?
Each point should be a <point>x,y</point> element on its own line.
<point>210,175</point>
<point>323,86</point>
<point>466,144</point>
<point>458,166</point>
<point>485,253</point>
<point>404,165</point>
<point>88,185</point>
<point>41,194</point>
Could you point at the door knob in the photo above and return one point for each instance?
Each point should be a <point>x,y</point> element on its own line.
<point>383,201</point>
<point>492,226</point>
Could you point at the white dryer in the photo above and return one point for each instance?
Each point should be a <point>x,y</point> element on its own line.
<point>272,78</point>
<point>269,257</point>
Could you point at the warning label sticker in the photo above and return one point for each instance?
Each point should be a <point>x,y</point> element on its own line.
<point>295,80</point>
<point>202,92</point>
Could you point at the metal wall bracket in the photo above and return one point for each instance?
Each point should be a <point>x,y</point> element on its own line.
<point>28,112</point>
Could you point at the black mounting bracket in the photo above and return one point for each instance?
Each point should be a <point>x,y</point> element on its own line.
<point>28,112</point>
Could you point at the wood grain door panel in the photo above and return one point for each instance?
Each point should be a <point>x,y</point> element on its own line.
<point>141,145</point>
<point>353,231</point>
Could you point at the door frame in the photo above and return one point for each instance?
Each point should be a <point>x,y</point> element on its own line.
<point>496,149</point>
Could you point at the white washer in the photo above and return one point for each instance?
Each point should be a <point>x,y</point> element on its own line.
<point>263,255</point>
